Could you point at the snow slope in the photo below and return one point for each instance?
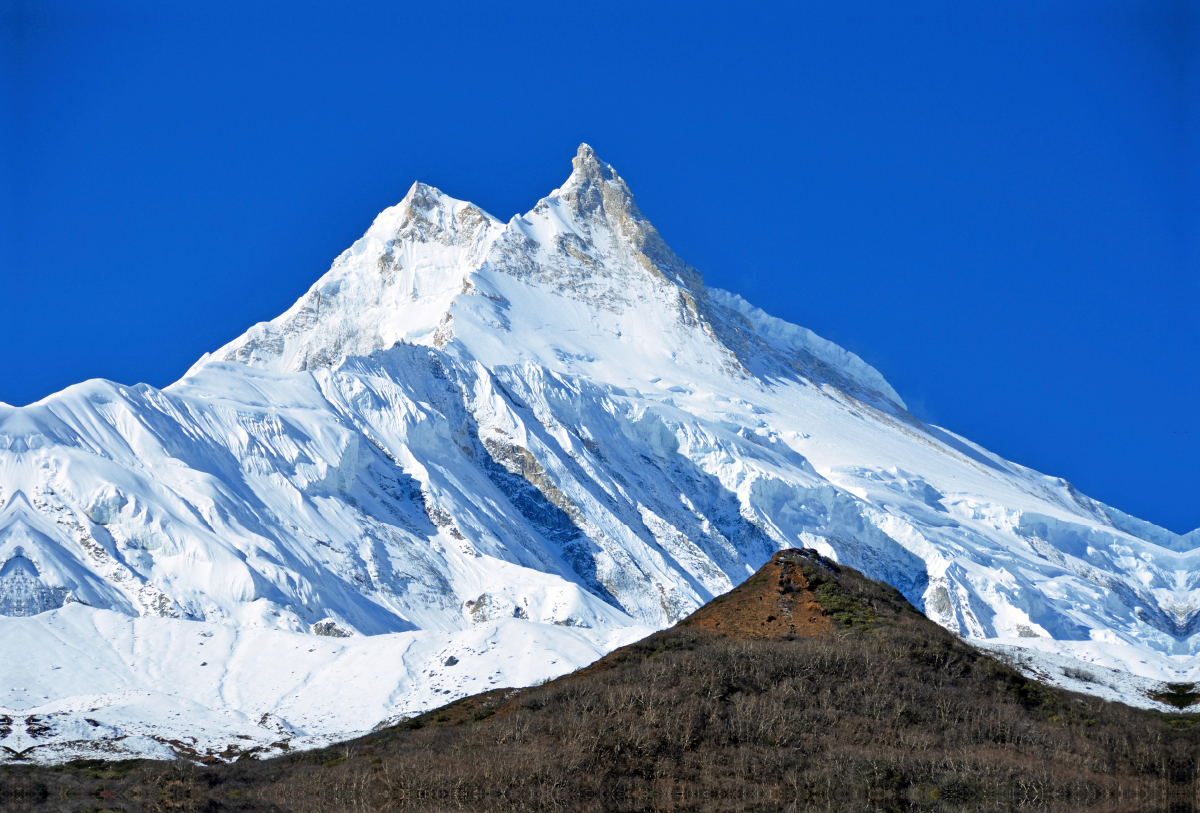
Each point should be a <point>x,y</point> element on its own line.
<point>524,442</point>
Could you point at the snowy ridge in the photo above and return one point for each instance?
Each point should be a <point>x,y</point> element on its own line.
<point>475,438</point>
<point>783,334</point>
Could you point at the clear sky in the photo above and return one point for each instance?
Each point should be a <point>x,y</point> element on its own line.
<point>997,208</point>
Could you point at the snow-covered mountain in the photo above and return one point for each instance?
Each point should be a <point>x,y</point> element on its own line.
<point>479,453</point>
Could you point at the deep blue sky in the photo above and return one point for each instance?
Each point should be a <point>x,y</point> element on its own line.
<point>997,208</point>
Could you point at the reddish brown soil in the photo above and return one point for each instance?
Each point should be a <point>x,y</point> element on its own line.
<point>774,602</point>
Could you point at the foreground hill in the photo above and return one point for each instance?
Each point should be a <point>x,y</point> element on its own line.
<point>807,687</point>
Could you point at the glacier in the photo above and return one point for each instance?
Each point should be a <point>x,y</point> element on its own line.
<point>480,454</point>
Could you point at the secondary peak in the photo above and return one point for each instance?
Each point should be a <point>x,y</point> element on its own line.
<point>423,196</point>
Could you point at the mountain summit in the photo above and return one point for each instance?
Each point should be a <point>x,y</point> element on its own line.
<point>478,452</point>
<point>585,252</point>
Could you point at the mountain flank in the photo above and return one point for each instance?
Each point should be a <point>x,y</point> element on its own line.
<point>808,687</point>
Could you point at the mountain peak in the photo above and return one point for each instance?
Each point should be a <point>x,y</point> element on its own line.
<point>418,203</point>
<point>587,162</point>
<point>596,193</point>
<point>595,187</point>
<point>421,194</point>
